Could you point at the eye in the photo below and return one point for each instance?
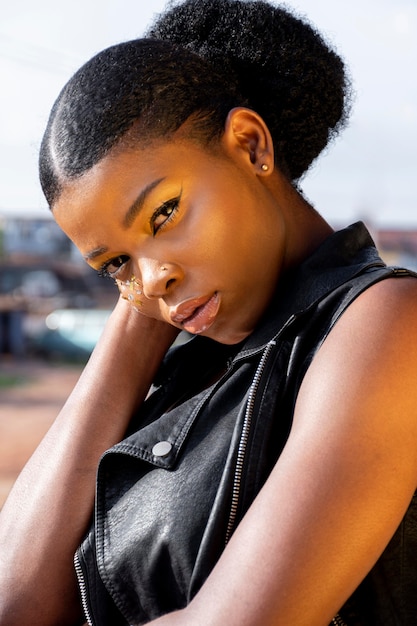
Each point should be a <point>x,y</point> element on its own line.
<point>164,214</point>
<point>111,268</point>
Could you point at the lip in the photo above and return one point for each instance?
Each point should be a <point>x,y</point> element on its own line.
<point>198,314</point>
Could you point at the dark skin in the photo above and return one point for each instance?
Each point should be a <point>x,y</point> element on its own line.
<point>348,470</point>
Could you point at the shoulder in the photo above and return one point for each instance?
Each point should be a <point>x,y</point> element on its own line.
<point>382,318</point>
<point>375,335</point>
<point>361,385</point>
<point>389,297</point>
<point>382,315</point>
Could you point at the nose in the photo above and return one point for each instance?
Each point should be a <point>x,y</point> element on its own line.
<point>157,278</point>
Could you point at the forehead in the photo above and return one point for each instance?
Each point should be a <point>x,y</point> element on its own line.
<point>144,161</point>
<point>115,171</point>
<point>106,191</point>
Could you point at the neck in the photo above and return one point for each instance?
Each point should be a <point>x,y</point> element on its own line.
<point>306,228</point>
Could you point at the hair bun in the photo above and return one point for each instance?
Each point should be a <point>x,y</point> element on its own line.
<point>281,65</point>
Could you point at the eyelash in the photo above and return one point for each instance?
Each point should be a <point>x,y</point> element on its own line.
<point>170,208</point>
<point>104,271</point>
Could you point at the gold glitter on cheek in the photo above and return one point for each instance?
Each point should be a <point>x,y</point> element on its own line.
<point>130,290</point>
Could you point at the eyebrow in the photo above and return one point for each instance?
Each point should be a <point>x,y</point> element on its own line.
<point>89,256</point>
<point>129,217</point>
<point>137,205</point>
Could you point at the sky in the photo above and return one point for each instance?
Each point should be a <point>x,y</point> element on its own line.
<point>368,173</point>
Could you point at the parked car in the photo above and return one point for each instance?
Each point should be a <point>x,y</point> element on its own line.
<point>70,333</point>
<point>73,333</point>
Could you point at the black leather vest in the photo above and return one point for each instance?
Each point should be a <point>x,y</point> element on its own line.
<point>172,492</point>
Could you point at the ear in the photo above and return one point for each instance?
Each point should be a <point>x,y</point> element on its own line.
<point>247,137</point>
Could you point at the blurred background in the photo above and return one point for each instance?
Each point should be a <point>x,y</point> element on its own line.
<point>52,306</point>
<point>368,173</point>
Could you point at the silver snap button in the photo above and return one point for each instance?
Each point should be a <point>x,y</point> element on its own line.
<point>162,448</point>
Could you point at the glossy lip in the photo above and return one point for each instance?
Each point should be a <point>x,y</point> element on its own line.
<point>198,314</point>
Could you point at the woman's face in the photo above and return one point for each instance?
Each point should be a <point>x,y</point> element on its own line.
<point>200,231</point>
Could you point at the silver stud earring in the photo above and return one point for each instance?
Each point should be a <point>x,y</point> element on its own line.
<point>264,167</point>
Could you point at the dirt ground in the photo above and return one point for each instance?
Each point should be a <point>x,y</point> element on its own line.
<point>31,395</point>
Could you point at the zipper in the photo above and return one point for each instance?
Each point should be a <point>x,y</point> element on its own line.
<point>244,437</point>
<point>402,271</point>
<point>83,588</point>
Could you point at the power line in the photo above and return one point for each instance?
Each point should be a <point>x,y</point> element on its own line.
<point>39,57</point>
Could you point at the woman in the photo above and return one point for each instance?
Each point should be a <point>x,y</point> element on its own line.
<point>269,477</point>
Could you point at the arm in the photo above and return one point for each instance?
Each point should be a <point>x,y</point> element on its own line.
<point>342,484</point>
<point>50,506</point>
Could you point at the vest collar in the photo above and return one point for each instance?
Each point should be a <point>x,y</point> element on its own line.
<point>341,257</point>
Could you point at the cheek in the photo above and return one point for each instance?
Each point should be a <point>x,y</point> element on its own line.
<point>201,237</point>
